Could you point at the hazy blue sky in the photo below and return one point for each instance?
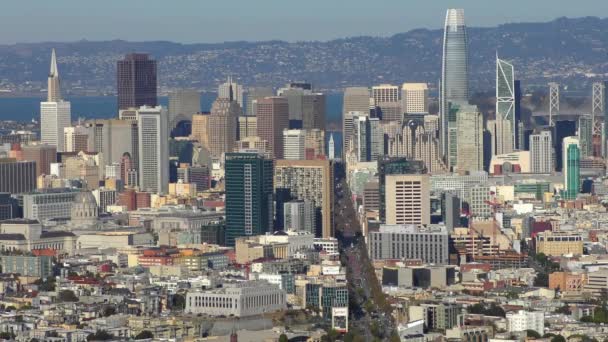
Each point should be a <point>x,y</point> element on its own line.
<point>229,20</point>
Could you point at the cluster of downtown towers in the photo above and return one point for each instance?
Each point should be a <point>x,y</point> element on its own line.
<point>249,177</point>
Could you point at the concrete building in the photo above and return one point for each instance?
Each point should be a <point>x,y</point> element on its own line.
<point>136,81</point>
<point>300,216</point>
<point>183,103</point>
<point>254,94</point>
<point>272,119</point>
<point>248,127</point>
<point>558,243</point>
<point>294,144</point>
<point>48,204</point>
<point>315,143</point>
<point>76,139</point>
<point>436,316</point>
<point>310,180</point>
<point>427,243</point>
<point>469,155</point>
<point>115,137</point>
<point>526,320</point>
<point>356,99</point>
<point>27,235</point>
<point>42,154</point>
<point>17,176</point>
<point>28,266</point>
<point>501,136</point>
<point>232,91</point>
<point>597,282</point>
<point>239,300</point>
<point>414,98</point>
<point>541,153</point>
<point>386,97</point>
<point>408,199</point>
<point>153,144</point>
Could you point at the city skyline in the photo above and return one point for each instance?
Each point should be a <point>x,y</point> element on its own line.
<point>360,18</point>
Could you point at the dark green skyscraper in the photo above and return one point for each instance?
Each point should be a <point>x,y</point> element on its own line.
<point>395,166</point>
<point>249,208</point>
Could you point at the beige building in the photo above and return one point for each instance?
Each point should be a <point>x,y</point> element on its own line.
<point>558,243</point>
<point>217,131</point>
<point>309,180</point>
<point>469,150</point>
<point>248,126</point>
<point>415,98</point>
<point>501,136</point>
<point>408,199</point>
<point>315,141</point>
<point>248,249</point>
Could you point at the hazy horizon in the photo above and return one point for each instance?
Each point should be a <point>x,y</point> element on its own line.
<point>195,21</point>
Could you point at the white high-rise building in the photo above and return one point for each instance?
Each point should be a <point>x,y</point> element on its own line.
<point>454,86</point>
<point>415,98</point>
<point>55,114</point>
<point>501,135</point>
<point>294,144</point>
<point>76,139</point>
<point>541,152</point>
<point>331,149</point>
<point>526,320</point>
<point>153,149</point>
<point>223,91</point>
<point>299,216</point>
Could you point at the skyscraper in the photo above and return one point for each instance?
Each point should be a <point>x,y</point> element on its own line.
<point>222,126</point>
<point>369,139</point>
<point>294,144</point>
<point>501,135</point>
<point>42,154</point>
<point>249,202</point>
<point>136,81</point>
<point>469,156</point>
<point>183,104</point>
<point>231,90</point>
<point>310,180</point>
<point>55,114</point>
<point>356,99</point>
<point>408,199</point>
<point>394,166</point>
<point>153,149</point>
<point>572,162</point>
<point>273,118</point>
<point>53,83</point>
<point>454,69</point>
<point>541,153</point>
<point>505,104</point>
<point>386,97</point>
<point>414,98</point>
<point>254,94</point>
<point>17,176</point>
<point>585,135</point>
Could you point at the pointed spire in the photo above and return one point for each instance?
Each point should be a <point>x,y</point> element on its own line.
<point>54,71</point>
<point>230,93</point>
<point>53,89</point>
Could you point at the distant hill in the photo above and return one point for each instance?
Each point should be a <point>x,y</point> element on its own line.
<point>563,50</point>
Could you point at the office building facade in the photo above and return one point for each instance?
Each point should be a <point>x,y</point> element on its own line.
<point>408,199</point>
<point>136,81</point>
<point>249,195</point>
<point>153,149</point>
<point>272,119</point>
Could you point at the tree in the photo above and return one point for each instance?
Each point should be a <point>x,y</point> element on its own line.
<point>564,310</point>
<point>144,334</point>
<point>587,319</point>
<point>67,296</point>
<point>108,311</point>
<point>6,335</point>
<point>100,335</point>
<point>532,333</point>
<point>179,301</point>
<point>283,338</point>
<point>558,338</point>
